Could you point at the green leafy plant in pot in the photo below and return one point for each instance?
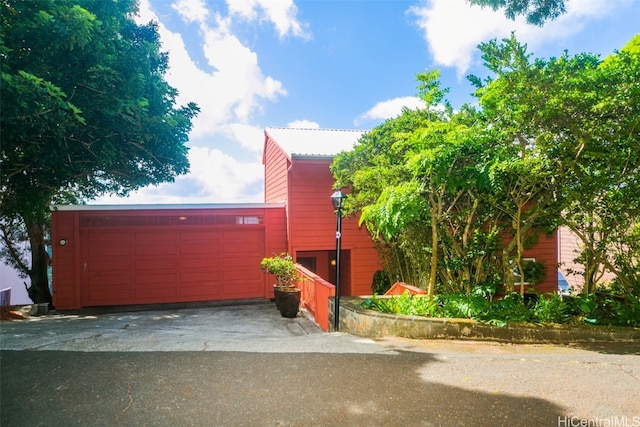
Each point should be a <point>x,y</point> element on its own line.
<point>287,296</point>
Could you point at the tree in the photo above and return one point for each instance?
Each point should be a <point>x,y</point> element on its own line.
<point>418,182</point>
<point>85,111</point>
<point>604,200</point>
<point>536,12</point>
<point>555,142</point>
<point>372,169</point>
<point>578,115</point>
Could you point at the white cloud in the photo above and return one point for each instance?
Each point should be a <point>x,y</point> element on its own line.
<point>303,124</point>
<point>390,108</point>
<point>238,84</point>
<point>251,137</point>
<point>234,90</point>
<point>454,28</point>
<point>282,13</point>
<point>191,10</point>
<point>222,178</point>
<point>215,177</point>
<point>228,96</point>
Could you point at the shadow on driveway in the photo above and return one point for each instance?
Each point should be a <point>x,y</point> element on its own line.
<point>54,388</point>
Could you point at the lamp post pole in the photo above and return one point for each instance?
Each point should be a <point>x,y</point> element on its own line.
<point>337,204</point>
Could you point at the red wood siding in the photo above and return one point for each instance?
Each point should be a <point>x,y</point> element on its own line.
<point>546,251</point>
<point>312,223</point>
<point>120,257</point>
<point>276,163</point>
<point>275,242</point>
<point>65,268</point>
<point>316,292</point>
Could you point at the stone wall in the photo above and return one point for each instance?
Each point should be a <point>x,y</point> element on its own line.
<point>369,323</point>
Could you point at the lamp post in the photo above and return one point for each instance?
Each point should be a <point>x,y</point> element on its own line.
<point>337,198</point>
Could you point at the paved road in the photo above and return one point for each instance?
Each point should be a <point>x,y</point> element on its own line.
<point>247,366</point>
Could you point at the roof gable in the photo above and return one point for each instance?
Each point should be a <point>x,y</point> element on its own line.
<point>314,142</point>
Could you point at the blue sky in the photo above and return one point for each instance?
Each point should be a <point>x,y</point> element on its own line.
<point>345,64</point>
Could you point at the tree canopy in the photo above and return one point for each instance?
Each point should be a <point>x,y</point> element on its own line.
<point>85,111</point>
<point>536,12</point>
<point>456,197</point>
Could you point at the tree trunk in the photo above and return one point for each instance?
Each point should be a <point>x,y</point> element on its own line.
<point>507,271</point>
<point>39,290</point>
<point>435,210</point>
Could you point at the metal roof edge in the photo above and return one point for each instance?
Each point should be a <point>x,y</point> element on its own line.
<point>316,129</point>
<point>165,206</point>
<point>295,156</point>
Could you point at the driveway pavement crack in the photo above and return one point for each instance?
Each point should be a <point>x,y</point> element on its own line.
<point>36,385</point>
<point>130,397</point>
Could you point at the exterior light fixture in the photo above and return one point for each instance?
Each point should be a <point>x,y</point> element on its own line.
<point>63,242</point>
<point>336,199</point>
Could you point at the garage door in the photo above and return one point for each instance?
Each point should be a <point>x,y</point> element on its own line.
<point>171,264</point>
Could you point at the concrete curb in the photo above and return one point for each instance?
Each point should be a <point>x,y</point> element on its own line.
<point>372,324</point>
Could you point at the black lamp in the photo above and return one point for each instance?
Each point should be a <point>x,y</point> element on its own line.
<point>337,199</point>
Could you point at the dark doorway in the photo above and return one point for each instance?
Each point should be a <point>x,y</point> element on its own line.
<point>345,271</point>
<point>307,262</point>
<point>323,263</point>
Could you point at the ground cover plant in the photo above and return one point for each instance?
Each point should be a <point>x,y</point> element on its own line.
<point>597,308</point>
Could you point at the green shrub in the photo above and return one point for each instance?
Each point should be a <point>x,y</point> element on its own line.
<point>534,271</point>
<point>596,308</point>
<point>281,266</point>
<point>510,308</point>
<point>601,308</point>
<point>459,305</point>
<point>381,282</point>
<point>412,305</point>
<point>551,308</point>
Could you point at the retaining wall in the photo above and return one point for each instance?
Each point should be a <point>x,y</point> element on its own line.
<point>369,323</point>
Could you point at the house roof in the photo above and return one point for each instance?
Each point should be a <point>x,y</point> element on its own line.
<point>165,206</point>
<point>314,142</point>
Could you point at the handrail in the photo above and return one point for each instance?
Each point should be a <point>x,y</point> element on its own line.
<point>316,292</point>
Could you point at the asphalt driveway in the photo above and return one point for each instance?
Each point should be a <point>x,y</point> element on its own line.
<point>244,365</point>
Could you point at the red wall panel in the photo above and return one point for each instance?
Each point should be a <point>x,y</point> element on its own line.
<point>276,164</point>
<point>66,290</point>
<point>546,251</point>
<point>312,222</point>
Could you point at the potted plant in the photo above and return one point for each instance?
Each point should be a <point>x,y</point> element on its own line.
<point>287,296</point>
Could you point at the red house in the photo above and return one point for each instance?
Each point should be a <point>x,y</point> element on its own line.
<point>123,255</point>
<point>296,163</point>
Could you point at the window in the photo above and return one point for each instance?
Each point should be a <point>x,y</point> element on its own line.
<point>249,220</point>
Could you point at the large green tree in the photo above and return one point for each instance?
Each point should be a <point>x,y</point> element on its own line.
<point>453,194</point>
<point>580,116</point>
<point>536,12</point>
<point>418,180</point>
<point>85,111</point>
